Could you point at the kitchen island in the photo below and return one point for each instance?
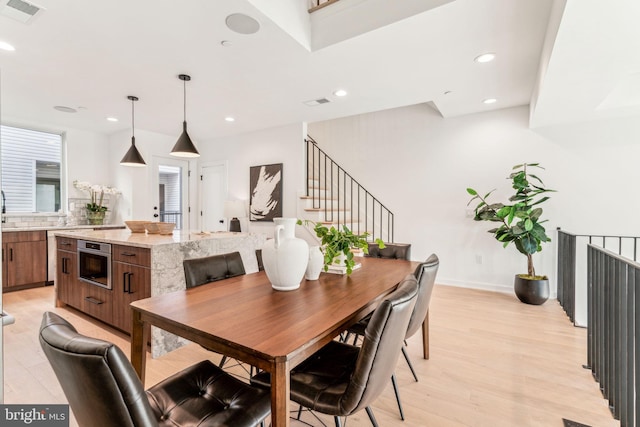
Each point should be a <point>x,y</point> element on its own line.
<point>141,265</point>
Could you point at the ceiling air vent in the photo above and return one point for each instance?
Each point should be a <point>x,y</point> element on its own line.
<point>19,10</point>
<point>315,102</point>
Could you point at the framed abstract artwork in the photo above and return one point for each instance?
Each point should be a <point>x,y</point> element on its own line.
<point>265,188</point>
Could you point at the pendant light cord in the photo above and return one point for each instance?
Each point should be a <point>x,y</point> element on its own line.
<point>184,83</point>
<point>133,120</point>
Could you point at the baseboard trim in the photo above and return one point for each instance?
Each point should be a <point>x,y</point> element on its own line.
<point>483,286</point>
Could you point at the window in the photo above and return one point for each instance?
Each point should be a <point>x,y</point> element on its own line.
<point>30,170</point>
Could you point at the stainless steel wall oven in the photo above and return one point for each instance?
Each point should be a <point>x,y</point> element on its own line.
<point>94,263</point>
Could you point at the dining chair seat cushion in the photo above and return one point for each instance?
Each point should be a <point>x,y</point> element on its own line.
<point>199,271</point>
<point>204,395</point>
<point>391,250</point>
<point>319,383</point>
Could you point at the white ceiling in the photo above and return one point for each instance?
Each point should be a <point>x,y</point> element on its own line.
<point>91,55</point>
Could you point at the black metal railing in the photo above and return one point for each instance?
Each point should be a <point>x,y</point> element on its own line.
<point>568,246</point>
<point>172,216</point>
<point>342,200</point>
<point>613,343</point>
<point>313,5</point>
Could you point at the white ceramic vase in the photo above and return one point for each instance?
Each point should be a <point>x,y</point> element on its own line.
<point>285,258</point>
<point>316,263</point>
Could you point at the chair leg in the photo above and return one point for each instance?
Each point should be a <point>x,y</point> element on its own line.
<point>338,422</point>
<point>355,339</point>
<point>223,361</point>
<point>374,423</point>
<point>406,357</point>
<point>299,412</point>
<point>397,392</point>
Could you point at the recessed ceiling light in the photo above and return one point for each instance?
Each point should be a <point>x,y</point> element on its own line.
<point>6,46</point>
<point>485,57</point>
<point>112,119</point>
<point>490,101</point>
<point>226,43</point>
<point>229,119</point>
<point>65,109</point>
<point>340,92</point>
<point>241,23</point>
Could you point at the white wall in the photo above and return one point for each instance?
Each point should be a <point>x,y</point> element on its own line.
<point>419,165</point>
<point>283,144</point>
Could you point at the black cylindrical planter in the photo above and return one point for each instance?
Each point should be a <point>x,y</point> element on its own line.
<point>529,291</point>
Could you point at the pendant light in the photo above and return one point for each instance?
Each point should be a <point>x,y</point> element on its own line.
<point>184,147</point>
<point>133,156</point>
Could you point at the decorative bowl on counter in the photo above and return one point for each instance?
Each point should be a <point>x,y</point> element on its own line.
<point>136,226</point>
<point>159,227</point>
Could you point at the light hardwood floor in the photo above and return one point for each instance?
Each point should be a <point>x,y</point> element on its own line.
<point>494,362</point>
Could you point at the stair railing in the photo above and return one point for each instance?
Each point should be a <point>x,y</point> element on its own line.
<point>314,5</point>
<point>568,243</point>
<point>342,200</point>
<point>613,339</point>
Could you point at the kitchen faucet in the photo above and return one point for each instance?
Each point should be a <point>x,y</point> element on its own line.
<point>4,206</point>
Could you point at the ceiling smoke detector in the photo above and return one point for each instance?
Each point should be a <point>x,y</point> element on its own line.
<point>19,10</point>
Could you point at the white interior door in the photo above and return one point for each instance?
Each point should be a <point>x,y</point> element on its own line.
<point>171,191</point>
<point>213,193</point>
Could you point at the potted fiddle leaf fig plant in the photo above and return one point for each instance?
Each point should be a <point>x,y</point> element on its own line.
<point>336,244</point>
<point>520,222</point>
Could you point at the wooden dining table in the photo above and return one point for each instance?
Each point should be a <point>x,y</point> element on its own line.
<point>244,318</point>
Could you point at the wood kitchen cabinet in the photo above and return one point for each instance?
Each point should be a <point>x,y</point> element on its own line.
<point>131,281</point>
<point>68,287</point>
<point>24,259</point>
<point>97,302</point>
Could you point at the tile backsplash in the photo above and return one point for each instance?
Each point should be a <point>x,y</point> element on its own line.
<point>76,215</point>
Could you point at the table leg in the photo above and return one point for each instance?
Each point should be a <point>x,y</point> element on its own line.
<point>425,337</point>
<point>138,353</point>
<point>280,391</point>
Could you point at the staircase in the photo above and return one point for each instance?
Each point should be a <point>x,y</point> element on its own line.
<point>335,198</point>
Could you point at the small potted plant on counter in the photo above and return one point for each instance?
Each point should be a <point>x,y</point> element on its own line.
<point>520,223</point>
<point>336,245</point>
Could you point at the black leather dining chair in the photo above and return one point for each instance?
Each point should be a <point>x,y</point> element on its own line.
<point>103,389</point>
<point>425,274</point>
<point>341,379</point>
<point>390,250</point>
<point>259,259</point>
<point>200,271</point>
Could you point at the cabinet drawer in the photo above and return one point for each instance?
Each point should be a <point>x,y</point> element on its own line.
<point>23,236</point>
<point>98,302</point>
<point>132,255</point>
<point>66,244</point>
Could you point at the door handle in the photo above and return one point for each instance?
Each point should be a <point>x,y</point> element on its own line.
<point>126,283</point>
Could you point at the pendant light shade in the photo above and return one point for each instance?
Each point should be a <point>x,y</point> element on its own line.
<point>133,156</point>
<point>184,147</point>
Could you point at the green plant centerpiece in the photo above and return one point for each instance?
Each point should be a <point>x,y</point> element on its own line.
<point>335,242</point>
<point>520,221</point>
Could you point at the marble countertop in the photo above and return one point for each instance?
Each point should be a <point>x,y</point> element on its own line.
<point>144,240</point>
<point>62,227</point>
